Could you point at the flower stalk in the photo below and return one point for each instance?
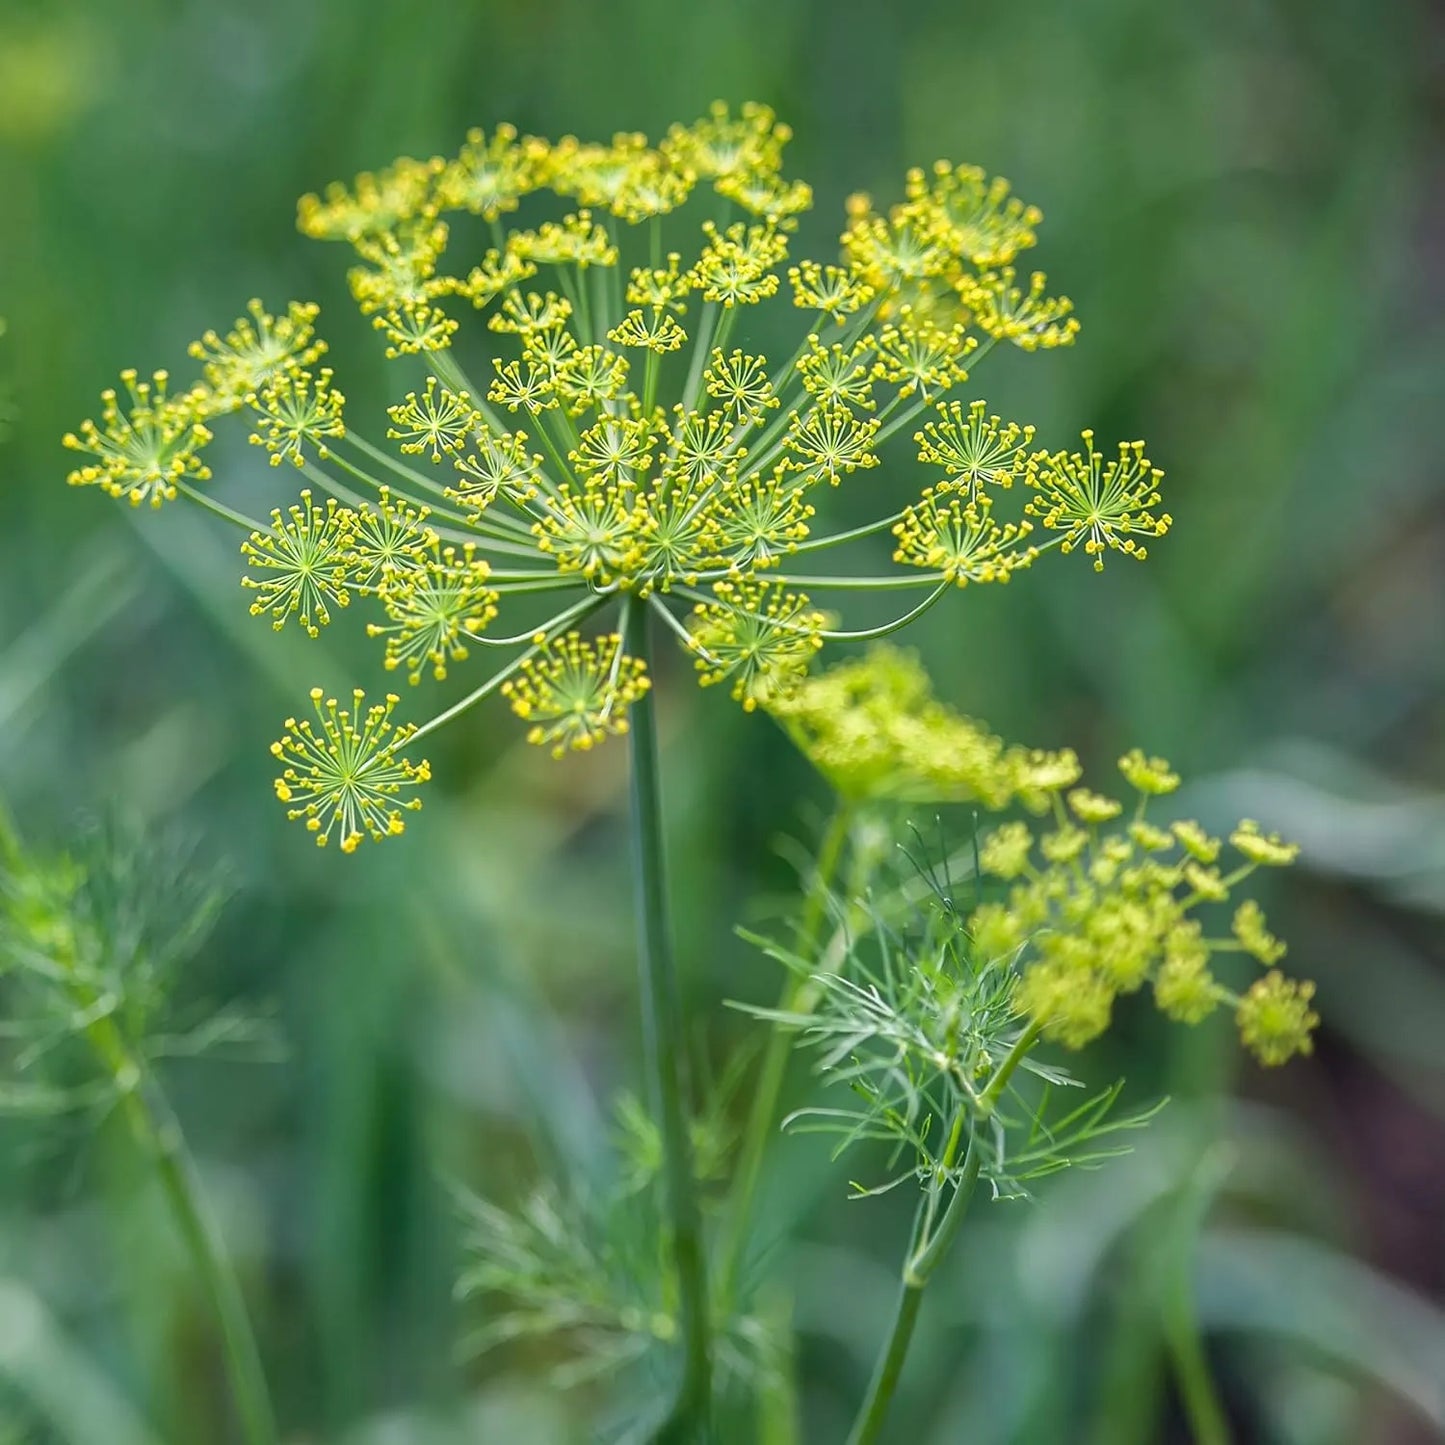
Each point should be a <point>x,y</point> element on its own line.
<point>762,1119</point>
<point>664,1053</point>
<point>931,1243</point>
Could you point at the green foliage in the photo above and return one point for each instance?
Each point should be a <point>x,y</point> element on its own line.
<point>93,944</point>
<point>916,1022</point>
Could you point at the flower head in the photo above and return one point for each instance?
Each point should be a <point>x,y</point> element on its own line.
<point>491,174</point>
<point>343,772</point>
<point>1276,1020</point>
<point>1098,908</point>
<point>575,692</point>
<point>836,291</point>
<point>144,451</point>
<point>433,607</point>
<point>1030,320</point>
<point>760,637</point>
<point>301,564</point>
<point>943,533</point>
<point>623,444</point>
<point>296,409</point>
<point>1104,506</point>
<point>375,205</point>
<point>1268,849</point>
<point>873,728</point>
<point>387,537</point>
<point>436,424</point>
<point>975,450</point>
<point>257,347</point>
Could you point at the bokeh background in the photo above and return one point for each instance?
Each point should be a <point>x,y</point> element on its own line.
<point>1244,200</point>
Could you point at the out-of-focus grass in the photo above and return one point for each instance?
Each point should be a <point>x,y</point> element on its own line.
<point>1239,197</point>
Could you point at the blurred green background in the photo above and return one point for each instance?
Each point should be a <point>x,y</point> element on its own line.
<point>1244,200</point>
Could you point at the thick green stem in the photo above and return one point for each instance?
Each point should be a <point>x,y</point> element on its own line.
<point>762,1117</point>
<point>663,1041</point>
<point>156,1131</point>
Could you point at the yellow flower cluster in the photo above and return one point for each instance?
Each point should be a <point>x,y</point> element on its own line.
<point>874,730</point>
<point>622,448</point>
<point>1100,905</point>
<point>343,772</point>
<point>576,692</point>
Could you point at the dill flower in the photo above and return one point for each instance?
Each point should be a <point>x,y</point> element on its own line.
<point>836,291</point>
<point>433,607</point>
<point>622,449</point>
<point>1148,775</point>
<point>491,175</point>
<point>257,347</point>
<point>1104,507</point>
<point>575,692</point>
<point>302,562</point>
<point>975,450</point>
<point>1099,910</point>
<point>1196,842</point>
<point>761,637</point>
<point>960,540</point>
<point>1264,848</point>
<point>438,423</point>
<point>295,408</point>
<point>1028,319</point>
<point>344,773</point>
<point>874,730</point>
<point>388,536</point>
<point>1276,1020</point>
<point>143,453</point>
<point>1253,933</point>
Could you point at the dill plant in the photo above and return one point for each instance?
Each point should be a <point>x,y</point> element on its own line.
<point>630,466</point>
<point>94,943</point>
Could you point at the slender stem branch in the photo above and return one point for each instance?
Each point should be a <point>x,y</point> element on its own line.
<point>156,1130</point>
<point>548,630</point>
<point>483,521</point>
<point>449,370</point>
<point>222,510</point>
<point>924,1260</point>
<point>663,1039</point>
<point>701,350</point>
<point>890,1367</point>
<point>817,544</point>
<point>1197,1390</point>
<point>343,493</point>
<point>798,994</point>
<point>993,1090</point>
<point>1207,1421</point>
<point>898,622</point>
<point>932,1244</point>
<point>859,584</point>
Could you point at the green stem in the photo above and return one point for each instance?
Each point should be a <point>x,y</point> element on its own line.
<point>701,350</point>
<point>548,630</point>
<point>663,1040</point>
<point>916,1273</point>
<point>157,1132</point>
<point>239,519</point>
<point>889,627</point>
<point>1207,1422</point>
<point>762,1117</point>
<point>1198,1393</point>
<point>932,1244</point>
<point>890,1367</point>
